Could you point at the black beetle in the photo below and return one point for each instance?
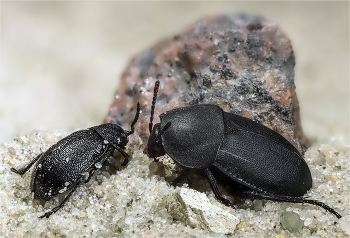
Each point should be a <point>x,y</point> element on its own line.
<point>255,160</point>
<point>74,159</point>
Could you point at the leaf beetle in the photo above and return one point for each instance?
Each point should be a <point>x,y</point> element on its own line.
<point>74,159</point>
<point>255,160</point>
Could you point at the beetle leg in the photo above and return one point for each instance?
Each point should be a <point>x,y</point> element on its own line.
<point>126,156</point>
<point>26,167</point>
<point>215,188</point>
<point>291,200</point>
<point>91,173</point>
<point>93,170</point>
<point>181,178</point>
<point>55,209</point>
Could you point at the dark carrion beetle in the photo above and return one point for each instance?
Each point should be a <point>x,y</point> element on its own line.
<point>245,154</point>
<point>74,159</point>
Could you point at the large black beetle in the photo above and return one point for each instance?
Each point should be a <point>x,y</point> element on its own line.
<point>254,159</point>
<point>74,159</point>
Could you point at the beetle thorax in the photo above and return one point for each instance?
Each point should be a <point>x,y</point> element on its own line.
<point>112,133</point>
<point>155,146</point>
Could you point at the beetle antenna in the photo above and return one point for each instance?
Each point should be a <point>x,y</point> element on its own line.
<point>135,120</point>
<point>156,86</point>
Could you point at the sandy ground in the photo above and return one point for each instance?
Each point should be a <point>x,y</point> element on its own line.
<point>60,65</point>
<point>132,201</point>
<point>61,61</point>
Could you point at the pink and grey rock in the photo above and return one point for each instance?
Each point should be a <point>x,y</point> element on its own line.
<point>240,62</point>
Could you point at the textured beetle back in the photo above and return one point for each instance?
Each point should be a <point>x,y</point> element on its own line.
<point>194,136</point>
<point>63,164</point>
<point>259,158</point>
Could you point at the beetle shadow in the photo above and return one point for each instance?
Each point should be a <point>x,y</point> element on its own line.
<point>235,190</point>
<point>198,181</point>
<point>112,165</point>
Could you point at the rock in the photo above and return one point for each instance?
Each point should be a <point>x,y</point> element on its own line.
<point>240,62</point>
<point>291,221</point>
<point>194,209</point>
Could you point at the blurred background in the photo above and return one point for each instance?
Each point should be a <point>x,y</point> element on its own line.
<point>61,61</point>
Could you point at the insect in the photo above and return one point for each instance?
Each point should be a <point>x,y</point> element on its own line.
<point>255,160</point>
<point>74,159</point>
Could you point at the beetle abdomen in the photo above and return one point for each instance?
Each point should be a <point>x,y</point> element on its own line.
<point>262,160</point>
<point>235,122</point>
<point>64,163</point>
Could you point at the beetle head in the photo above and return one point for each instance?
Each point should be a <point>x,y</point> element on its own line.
<point>113,133</point>
<point>154,146</point>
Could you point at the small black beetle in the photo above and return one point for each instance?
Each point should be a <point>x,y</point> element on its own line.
<point>74,159</point>
<point>255,160</point>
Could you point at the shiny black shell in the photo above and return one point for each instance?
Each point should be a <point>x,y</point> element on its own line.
<point>236,148</point>
<point>64,163</point>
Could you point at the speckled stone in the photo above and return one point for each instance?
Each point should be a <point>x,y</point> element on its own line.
<point>291,221</point>
<point>194,209</point>
<point>242,63</point>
